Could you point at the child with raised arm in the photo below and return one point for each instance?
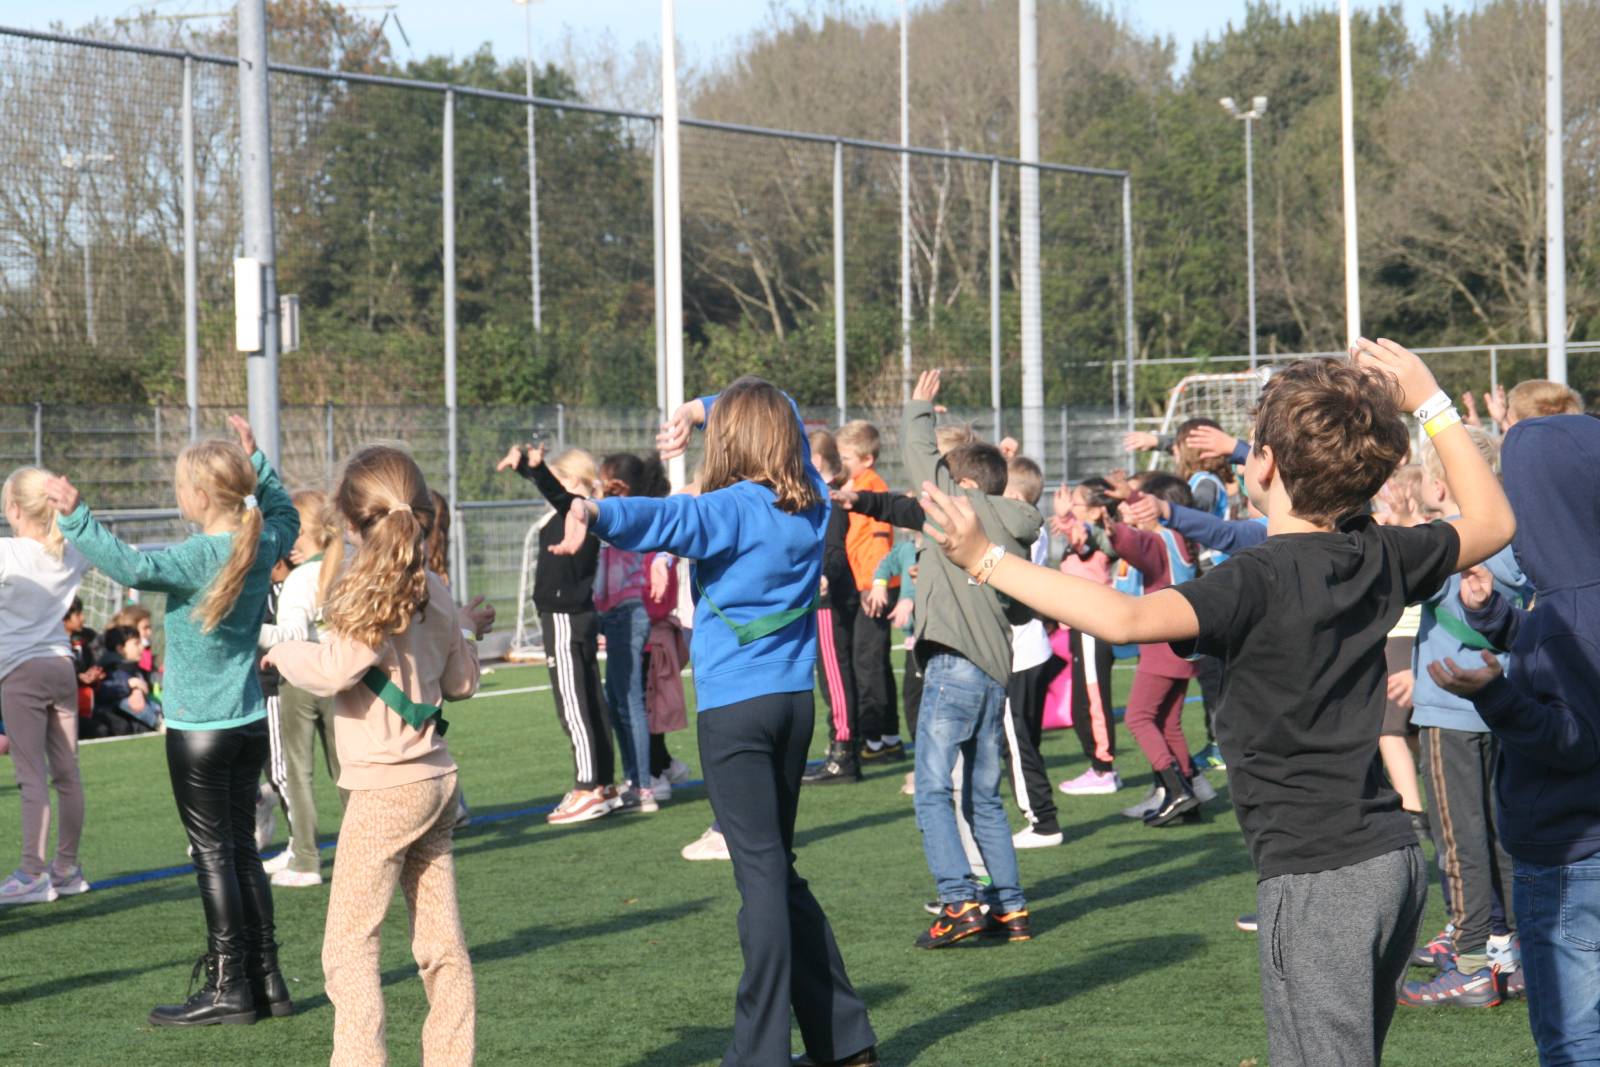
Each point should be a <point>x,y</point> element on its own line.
<point>755,533</point>
<point>1300,623</point>
<point>216,583</point>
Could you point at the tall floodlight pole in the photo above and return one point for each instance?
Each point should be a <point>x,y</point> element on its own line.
<point>533,171</point>
<point>1257,109</point>
<point>1352,271</point>
<point>448,196</point>
<point>672,222</point>
<point>1555,222</point>
<point>839,354</point>
<point>1032,297</point>
<point>994,294</point>
<point>191,261</point>
<point>255,194</point>
<point>659,256</point>
<point>905,206</point>
<point>1129,342</point>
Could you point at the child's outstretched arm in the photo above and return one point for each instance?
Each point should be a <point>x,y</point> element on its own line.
<point>1077,602</point>
<point>1486,523</point>
<point>1548,731</point>
<point>280,520</point>
<point>184,568</point>
<point>919,442</point>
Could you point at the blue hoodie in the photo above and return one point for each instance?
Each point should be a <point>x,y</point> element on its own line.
<point>1430,705</point>
<point>1546,710</point>
<point>751,560</point>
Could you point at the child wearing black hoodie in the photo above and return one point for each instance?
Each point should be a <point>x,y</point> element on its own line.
<point>1545,712</point>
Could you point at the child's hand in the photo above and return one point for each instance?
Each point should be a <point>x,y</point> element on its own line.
<point>1210,442</point>
<point>1009,447</point>
<point>1063,501</point>
<point>1140,441</point>
<point>1470,402</point>
<point>660,573</point>
<point>247,436</point>
<point>927,386</point>
<point>1452,678</point>
<point>1477,586</point>
<point>900,614</point>
<point>673,440</point>
<point>958,531</point>
<point>1077,535</point>
<point>1495,404</point>
<point>1120,487</point>
<point>845,498</point>
<point>1145,509</point>
<point>135,700</point>
<point>476,616</point>
<point>1402,684</point>
<point>61,494</point>
<point>138,685</point>
<point>577,529</point>
<point>876,601</point>
<point>1416,381</point>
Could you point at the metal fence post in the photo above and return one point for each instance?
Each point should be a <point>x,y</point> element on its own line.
<point>327,440</point>
<point>561,427</point>
<point>1130,345</point>
<point>1066,448</point>
<point>1494,370</point>
<point>838,280</point>
<point>994,294</point>
<point>261,368</point>
<point>659,255</point>
<point>450,296</point>
<point>156,412</point>
<point>191,261</point>
<point>38,433</point>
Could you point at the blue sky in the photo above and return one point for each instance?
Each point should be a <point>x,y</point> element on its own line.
<point>706,28</point>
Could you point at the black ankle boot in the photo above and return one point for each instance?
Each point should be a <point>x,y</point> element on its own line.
<point>1178,800</point>
<point>225,998</point>
<point>840,766</point>
<point>267,987</point>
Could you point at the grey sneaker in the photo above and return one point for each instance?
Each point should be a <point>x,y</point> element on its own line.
<point>1152,802</point>
<point>72,884</point>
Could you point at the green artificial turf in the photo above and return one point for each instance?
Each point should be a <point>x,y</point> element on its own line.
<point>597,945</point>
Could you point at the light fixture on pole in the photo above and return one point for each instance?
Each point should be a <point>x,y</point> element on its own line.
<point>1258,107</point>
<point>84,163</point>
<point>533,172</point>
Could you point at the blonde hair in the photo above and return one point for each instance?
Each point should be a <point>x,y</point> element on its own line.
<point>131,615</point>
<point>223,472</point>
<point>384,498</point>
<point>861,436</point>
<point>25,489</point>
<point>752,436</point>
<point>576,465</point>
<point>1024,474</point>
<point>1487,447</point>
<point>953,435</point>
<point>439,536</point>
<point>1538,397</point>
<point>320,521</point>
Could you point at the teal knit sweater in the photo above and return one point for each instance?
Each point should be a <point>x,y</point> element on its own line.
<point>211,681</point>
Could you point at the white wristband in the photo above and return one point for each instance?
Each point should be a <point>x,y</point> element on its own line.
<point>1436,404</point>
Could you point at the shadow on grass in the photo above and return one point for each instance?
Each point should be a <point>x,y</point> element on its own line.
<point>77,983</point>
<point>1216,856</point>
<point>533,938</point>
<point>813,834</point>
<point>98,903</point>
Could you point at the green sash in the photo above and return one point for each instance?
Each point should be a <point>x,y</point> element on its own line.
<point>756,629</point>
<point>377,679</point>
<point>1457,628</point>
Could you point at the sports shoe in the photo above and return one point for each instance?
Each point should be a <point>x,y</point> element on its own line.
<point>20,889</point>
<point>581,805</point>
<point>1152,801</point>
<point>840,768</point>
<point>266,816</point>
<point>933,907</point>
<point>661,787</point>
<point>1177,799</point>
<point>612,795</point>
<point>1204,791</point>
<point>710,845</point>
<point>1209,759</point>
<point>1505,952</point>
<point>1012,926</point>
<point>955,922</point>
<point>677,771</point>
<point>280,862</point>
<point>288,879</point>
<point>1032,838</point>
<point>1247,923</point>
<point>867,1057</point>
<point>463,813</point>
<point>1476,990</point>
<point>909,789</point>
<point>1512,983</point>
<point>1092,783</point>
<point>74,884</point>
<point>886,753</point>
<point>646,801</point>
<point>1439,953</point>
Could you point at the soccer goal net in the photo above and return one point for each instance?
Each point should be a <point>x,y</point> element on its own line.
<point>1226,399</point>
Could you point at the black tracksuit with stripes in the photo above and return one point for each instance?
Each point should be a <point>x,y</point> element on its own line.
<point>563,594</point>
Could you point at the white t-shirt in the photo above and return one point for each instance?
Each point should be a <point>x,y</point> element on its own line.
<point>1030,642</point>
<point>35,593</point>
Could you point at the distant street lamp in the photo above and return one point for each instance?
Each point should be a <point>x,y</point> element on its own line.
<point>1258,107</point>
<point>84,163</point>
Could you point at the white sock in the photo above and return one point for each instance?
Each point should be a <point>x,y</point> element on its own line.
<point>891,739</point>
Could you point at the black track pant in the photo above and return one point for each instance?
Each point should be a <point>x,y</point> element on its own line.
<point>572,644</point>
<point>875,688</point>
<point>1091,700</point>
<point>1024,724</point>
<point>1208,672</point>
<point>214,778</point>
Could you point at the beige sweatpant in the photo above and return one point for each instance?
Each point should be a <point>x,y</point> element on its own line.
<point>398,835</point>
<point>40,702</point>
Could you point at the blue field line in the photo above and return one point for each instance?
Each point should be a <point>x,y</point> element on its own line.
<point>159,873</point>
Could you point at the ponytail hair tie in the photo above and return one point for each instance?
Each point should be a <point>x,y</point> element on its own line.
<point>400,507</point>
<point>250,502</point>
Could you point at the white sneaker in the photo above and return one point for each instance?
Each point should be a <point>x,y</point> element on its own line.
<point>678,771</point>
<point>661,787</point>
<point>910,787</point>
<point>580,805</point>
<point>288,879</point>
<point>1031,838</point>
<point>280,862</point>
<point>72,885</point>
<point>647,802</point>
<point>20,889</point>
<point>710,845</point>
<point>613,795</point>
<point>1204,791</point>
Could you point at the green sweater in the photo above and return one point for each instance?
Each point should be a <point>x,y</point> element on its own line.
<point>211,681</point>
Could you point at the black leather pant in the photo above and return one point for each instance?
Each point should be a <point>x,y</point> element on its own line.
<point>214,780</point>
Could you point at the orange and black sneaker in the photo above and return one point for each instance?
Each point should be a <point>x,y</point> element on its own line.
<point>955,922</point>
<point>1012,926</point>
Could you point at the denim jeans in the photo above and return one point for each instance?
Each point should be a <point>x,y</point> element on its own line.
<point>1558,920</point>
<point>962,710</point>
<point>626,628</point>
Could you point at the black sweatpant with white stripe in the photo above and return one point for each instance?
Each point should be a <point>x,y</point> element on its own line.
<point>1024,725</point>
<point>572,648</point>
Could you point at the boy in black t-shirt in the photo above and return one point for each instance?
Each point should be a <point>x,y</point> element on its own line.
<point>1300,622</point>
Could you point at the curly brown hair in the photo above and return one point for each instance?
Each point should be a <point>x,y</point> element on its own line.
<point>1336,434</point>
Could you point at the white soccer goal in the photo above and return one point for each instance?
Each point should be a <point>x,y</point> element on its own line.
<point>1227,399</point>
<point>527,640</point>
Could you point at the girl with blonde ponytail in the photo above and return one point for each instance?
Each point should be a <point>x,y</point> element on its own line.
<point>39,574</point>
<point>216,585</point>
<point>393,649</point>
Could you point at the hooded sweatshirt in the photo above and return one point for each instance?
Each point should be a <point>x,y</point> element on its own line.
<point>1545,711</point>
<point>953,611</point>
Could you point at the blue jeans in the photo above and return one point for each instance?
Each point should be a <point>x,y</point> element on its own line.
<point>962,712</point>
<point>1558,920</point>
<point>626,628</point>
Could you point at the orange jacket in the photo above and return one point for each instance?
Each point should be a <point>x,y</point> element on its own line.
<point>867,540</point>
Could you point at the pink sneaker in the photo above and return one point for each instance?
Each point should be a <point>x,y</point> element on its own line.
<point>1092,783</point>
